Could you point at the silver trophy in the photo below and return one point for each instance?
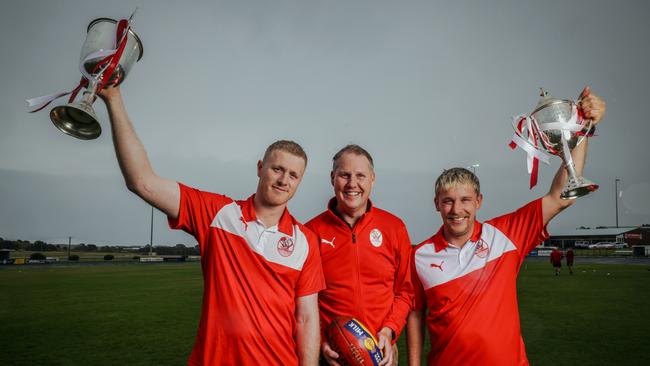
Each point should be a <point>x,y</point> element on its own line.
<point>101,45</point>
<point>560,129</point>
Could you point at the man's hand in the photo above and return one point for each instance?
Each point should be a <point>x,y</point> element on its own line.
<point>329,354</point>
<point>592,105</point>
<point>110,93</point>
<point>385,338</point>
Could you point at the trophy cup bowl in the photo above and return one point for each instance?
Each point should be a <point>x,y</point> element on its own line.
<point>79,119</point>
<point>553,116</point>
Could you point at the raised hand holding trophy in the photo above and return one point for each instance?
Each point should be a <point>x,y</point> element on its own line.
<point>108,53</point>
<point>556,126</point>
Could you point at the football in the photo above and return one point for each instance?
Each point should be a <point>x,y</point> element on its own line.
<point>353,342</point>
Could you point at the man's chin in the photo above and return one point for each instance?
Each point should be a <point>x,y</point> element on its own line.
<point>456,231</point>
<point>277,199</point>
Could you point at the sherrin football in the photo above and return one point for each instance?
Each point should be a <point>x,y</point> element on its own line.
<point>353,342</point>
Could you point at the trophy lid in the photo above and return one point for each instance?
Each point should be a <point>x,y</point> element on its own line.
<point>546,100</point>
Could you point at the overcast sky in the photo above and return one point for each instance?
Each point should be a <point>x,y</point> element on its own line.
<point>423,85</point>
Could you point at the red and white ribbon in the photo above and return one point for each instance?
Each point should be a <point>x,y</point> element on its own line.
<point>526,136</point>
<point>100,75</point>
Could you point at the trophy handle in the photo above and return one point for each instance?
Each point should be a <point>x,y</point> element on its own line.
<point>515,121</point>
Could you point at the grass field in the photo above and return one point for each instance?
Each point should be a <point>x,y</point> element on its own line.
<point>146,314</point>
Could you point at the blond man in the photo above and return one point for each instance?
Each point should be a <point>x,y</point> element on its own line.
<point>465,275</point>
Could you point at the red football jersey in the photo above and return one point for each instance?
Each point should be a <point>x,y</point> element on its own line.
<point>252,276</point>
<point>471,292</point>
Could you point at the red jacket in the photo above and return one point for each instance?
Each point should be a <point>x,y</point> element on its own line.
<point>366,268</point>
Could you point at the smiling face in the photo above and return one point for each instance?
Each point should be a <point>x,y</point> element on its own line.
<point>352,178</point>
<point>457,205</point>
<point>280,174</point>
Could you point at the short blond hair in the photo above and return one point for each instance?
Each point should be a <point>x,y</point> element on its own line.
<point>288,146</point>
<point>456,176</point>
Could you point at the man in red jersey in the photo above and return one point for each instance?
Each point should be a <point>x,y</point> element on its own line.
<point>556,261</point>
<point>365,253</point>
<point>465,275</point>
<point>569,260</point>
<point>261,268</point>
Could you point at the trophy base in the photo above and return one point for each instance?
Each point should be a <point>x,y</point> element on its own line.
<point>77,120</point>
<point>574,191</point>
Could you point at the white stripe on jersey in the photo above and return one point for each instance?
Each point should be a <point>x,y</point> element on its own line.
<point>450,263</point>
<point>229,219</point>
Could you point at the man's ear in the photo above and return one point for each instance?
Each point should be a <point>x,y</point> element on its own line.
<point>259,168</point>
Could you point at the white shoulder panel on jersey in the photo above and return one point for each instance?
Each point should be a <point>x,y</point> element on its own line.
<point>290,251</point>
<point>448,264</point>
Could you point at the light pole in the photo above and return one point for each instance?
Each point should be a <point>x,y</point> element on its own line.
<point>616,198</point>
<point>151,235</point>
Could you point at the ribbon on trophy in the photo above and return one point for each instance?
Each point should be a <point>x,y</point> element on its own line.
<point>103,69</point>
<point>528,133</point>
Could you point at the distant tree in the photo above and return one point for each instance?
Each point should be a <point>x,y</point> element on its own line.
<point>108,257</point>
<point>37,256</point>
<point>91,247</point>
<point>40,245</point>
<point>73,257</point>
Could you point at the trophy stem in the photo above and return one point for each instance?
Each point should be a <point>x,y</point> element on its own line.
<point>79,119</point>
<point>577,186</point>
<point>568,159</point>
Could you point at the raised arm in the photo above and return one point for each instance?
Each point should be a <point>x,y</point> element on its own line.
<point>138,175</point>
<point>593,108</point>
<point>307,329</point>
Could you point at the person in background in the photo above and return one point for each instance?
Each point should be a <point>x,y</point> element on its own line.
<point>569,260</point>
<point>556,260</point>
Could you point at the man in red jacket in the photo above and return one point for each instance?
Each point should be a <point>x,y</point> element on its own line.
<point>365,253</point>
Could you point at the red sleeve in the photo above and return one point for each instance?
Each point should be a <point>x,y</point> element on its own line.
<point>196,211</point>
<point>402,287</point>
<point>419,297</point>
<point>524,227</point>
<point>311,276</point>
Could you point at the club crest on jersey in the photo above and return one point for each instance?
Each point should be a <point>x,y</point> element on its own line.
<point>376,238</point>
<point>285,246</point>
<point>482,250</point>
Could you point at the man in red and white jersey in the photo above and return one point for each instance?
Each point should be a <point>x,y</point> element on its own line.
<point>261,268</point>
<point>465,275</point>
<point>365,253</point>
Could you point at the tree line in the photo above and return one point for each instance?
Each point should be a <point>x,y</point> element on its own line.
<point>41,246</point>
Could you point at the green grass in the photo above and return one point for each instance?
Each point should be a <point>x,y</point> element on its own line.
<point>130,314</point>
<point>598,316</point>
<point>147,314</point>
